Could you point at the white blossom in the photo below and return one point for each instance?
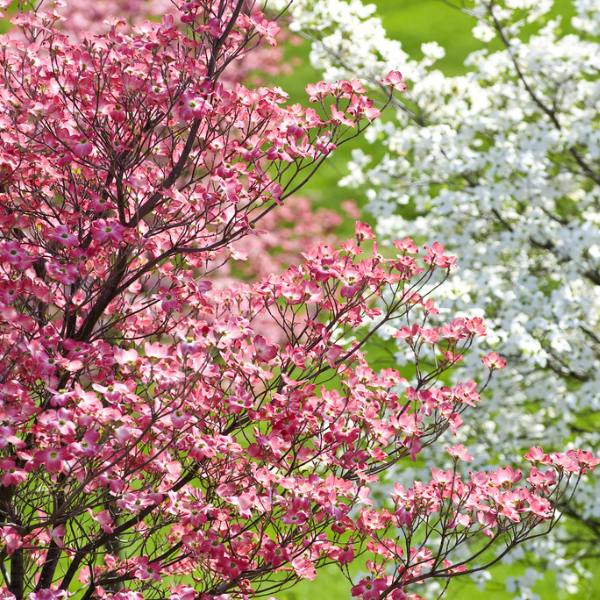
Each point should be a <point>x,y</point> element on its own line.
<point>502,166</point>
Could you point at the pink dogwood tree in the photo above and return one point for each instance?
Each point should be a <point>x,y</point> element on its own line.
<point>154,441</point>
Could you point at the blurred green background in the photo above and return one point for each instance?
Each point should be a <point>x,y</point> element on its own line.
<point>413,22</point>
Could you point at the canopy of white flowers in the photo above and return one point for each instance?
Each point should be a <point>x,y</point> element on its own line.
<point>503,166</point>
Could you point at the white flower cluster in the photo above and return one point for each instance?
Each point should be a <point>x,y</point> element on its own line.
<point>347,41</point>
<point>502,166</point>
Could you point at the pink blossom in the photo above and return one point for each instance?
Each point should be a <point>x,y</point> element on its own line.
<point>362,232</point>
<point>339,116</point>
<point>318,91</point>
<point>65,274</point>
<point>124,357</point>
<point>193,106</point>
<point>394,80</point>
<point>435,256</point>
<point>83,148</point>
<point>276,554</point>
<point>56,535</point>
<point>543,481</point>
<point>586,460</point>
<point>406,245</point>
<point>506,476</point>
<point>12,474</point>
<point>135,501</point>
<point>232,567</point>
<point>53,459</point>
<point>11,539</point>
<point>147,570</point>
<point>460,452</point>
<point>13,254</point>
<point>304,568</point>
<point>493,361</point>
<point>269,29</point>
<point>87,445</point>
<point>115,483</point>
<point>369,589</point>
<point>540,507</point>
<point>294,518</point>
<point>103,230</point>
<point>346,553</point>
<point>265,350</point>
<point>7,436</point>
<point>536,456</point>
<point>169,301</point>
<point>63,236</point>
<point>104,519</point>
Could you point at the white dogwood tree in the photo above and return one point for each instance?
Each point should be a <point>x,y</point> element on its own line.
<point>502,165</point>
